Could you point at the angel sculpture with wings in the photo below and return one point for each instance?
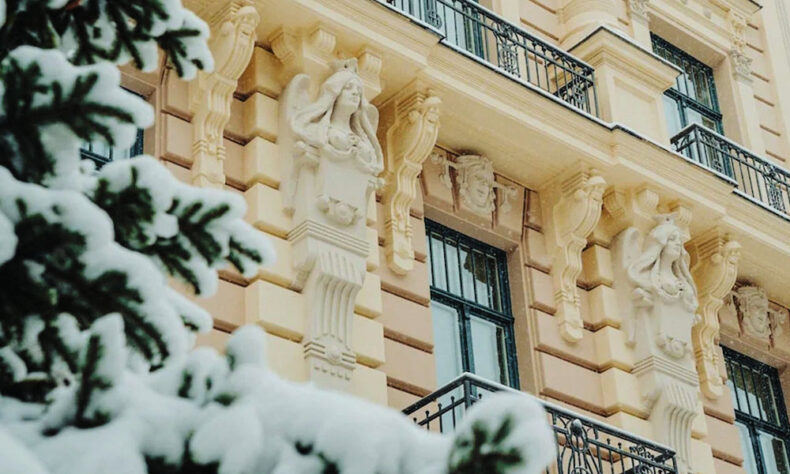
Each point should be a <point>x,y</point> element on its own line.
<point>340,125</point>
<point>664,288</point>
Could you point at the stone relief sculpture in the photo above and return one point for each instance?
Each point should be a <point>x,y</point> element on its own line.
<point>753,311</point>
<point>331,159</point>
<point>658,298</point>
<point>663,285</point>
<point>338,127</point>
<point>475,182</point>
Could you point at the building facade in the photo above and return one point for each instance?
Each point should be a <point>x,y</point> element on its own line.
<point>585,200</point>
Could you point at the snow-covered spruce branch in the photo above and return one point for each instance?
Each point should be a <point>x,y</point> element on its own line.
<point>93,31</point>
<point>96,372</point>
<point>229,414</point>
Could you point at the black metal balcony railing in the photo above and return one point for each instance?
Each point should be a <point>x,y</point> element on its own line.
<point>756,178</point>
<point>584,446</point>
<point>474,30</point>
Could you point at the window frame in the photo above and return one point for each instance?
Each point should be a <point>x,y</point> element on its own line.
<point>689,65</point>
<point>101,160</point>
<point>467,308</point>
<point>755,424</point>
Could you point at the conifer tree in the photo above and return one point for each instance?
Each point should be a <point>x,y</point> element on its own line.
<point>97,370</point>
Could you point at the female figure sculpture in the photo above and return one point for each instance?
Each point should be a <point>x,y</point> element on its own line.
<point>664,288</point>
<point>330,160</point>
<point>339,126</point>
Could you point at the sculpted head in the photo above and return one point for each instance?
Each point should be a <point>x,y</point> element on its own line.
<point>754,307</point>
<point>341,103</point>
<point>476,182</point>
<point>663,266</point>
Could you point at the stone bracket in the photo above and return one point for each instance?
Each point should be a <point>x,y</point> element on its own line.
<point>409,141</point>
<point>232,42</point>
<point>330,272</point>
<point>714,271</point>
<point>574,205</point>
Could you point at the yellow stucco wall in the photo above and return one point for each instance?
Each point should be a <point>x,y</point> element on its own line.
<point>530,139</point>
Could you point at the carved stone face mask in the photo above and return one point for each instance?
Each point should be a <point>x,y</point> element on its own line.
<point>480,186</point>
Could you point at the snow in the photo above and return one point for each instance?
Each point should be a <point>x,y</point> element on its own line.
<point>531,428</point>
<point>260,425</point>
<point>8,239</point>
<point>193,315</point>
<point>232,438</point>
<point>59,141</point>
<point>15,458</point>
<point>247,347</point>
<point>11,363</point>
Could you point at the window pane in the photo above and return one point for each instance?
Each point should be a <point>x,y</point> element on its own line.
<point>488,349</point>
<point>438,265</point>
<point>774,454</point>
<point>453,268</point>
<point>481,278</point>
<point>674,123</point>
<point>447,342</point>
<point>749,464</point>
<point>467,280</point>
<point>768,398</point>
<point>493,273</point>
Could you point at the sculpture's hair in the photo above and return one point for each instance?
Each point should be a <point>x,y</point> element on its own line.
<point>311,124</point>
<point>645,270</point>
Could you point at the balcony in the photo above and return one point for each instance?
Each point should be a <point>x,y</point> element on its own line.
<point>478,33</point>
<point>755,178</point>
<point>584,446</point>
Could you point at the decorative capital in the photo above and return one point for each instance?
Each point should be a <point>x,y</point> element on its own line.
<point>410,140</point>
<point>575,211</point>
<point>742,64</point>
<point>627,208</point>
<point>309,52</point>
<point>715,269</point>
<point>639,10</point>
<point>232,42</point>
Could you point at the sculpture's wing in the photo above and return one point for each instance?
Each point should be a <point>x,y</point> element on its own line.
<point>626,249</point>
<point>629,249</point>
<point>294,98</point>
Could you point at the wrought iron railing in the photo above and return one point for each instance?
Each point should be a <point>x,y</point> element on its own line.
<point>476,31</point>
<point>584,446</point>
<point>756,178</point>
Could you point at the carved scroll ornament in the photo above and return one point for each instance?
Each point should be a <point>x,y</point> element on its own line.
<point>232,42</point>
<point>574,216</point>
<point>410,140</point>
<point>714,272</point>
